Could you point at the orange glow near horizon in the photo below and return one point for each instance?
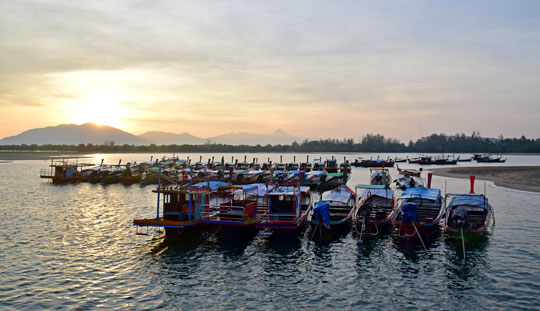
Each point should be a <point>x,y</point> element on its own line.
<point>98,108</point>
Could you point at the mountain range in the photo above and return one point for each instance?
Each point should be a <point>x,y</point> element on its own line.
<point>73,134</point>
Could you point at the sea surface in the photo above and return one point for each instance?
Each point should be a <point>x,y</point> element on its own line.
<point>74,247</point>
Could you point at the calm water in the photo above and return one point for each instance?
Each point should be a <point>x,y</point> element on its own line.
<point>74,247</point>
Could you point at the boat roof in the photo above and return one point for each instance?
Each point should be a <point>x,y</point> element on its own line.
<point>383,193</point>
<point>318,173</point>
<point>362,186</point>
<point>288,190</point>
<point>212,184</point>
<point>341,194</point>
<point>424,193</point>
<point>257,188</point>
<point>469,199</point>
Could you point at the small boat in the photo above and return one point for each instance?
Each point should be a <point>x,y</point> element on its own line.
<point>63,170</point>
<point>459,159</point>
<point>314,179</point>
<point>380,176</point>
<point>231,206</point>
<point>375,209</point>
<point>489,159</point>
<point>419,211</point>
<point>181,208</point>
<point>409,178</point>
<point>374,163</point>
<point>334,210</point>
<point>467,215</point>
<point>287,208</point>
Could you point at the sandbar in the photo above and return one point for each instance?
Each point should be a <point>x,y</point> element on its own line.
<point>525,178</point>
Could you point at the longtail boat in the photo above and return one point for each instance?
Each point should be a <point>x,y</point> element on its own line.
<point>419,211</point>
<point>467,215</point>
<point>63,170</point>
<point>375,209</point>
<point>333,211</point>
<point>180,210</point>
<point>231,206</point>
<point>287,207</point>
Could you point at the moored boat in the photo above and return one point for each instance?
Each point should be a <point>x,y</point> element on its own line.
<point>467,216</point>
<point>333,211</point>
<point>375,209</point>
<point>180,210</point>
<point>287,207</point>
<point>419,211</point>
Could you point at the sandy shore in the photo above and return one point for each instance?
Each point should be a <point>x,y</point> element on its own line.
<point>515,177</point>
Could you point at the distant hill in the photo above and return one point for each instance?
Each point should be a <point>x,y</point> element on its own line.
<point>278,137</point>
<point>72,134</point>
<point>164,138</point>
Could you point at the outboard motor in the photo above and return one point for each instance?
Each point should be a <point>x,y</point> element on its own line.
<point>460,217</point>
<point>409,213</point>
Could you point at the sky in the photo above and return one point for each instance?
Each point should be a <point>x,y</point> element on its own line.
<point>317,69</point>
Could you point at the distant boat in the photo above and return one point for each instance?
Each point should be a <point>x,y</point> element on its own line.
<point>380,176</point>
<point>489,159</point>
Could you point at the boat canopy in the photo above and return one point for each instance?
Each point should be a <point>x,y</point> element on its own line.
<point>258,188</point>
<point>316,173</point>
<point>424,193</point>
<point>383,193</point>
<point>469,199</point>
<point>212,184</point>
<point>288,190</point>
<point>341,195</point>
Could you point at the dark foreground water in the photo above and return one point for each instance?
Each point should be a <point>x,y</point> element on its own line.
<point>74,247</point>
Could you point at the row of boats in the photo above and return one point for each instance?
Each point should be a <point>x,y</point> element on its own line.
<point>319,175</point>
<point>426,160</point>
<point>283,208</point>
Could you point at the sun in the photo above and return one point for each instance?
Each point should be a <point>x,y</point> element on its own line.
<point>98,108</point>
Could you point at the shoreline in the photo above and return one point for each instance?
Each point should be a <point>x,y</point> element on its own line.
<point>9,156</point>
<point>526,178</point>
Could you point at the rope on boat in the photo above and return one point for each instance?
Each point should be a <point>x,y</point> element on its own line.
<point>463,243</point>
<point>418,233</point>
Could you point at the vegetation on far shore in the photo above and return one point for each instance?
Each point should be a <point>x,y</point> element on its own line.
<point>436,143</point>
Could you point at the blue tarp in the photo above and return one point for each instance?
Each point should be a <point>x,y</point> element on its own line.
<point>321,211</point>
<point>408,212</point>
<point>424,193</point>
<point>469,199</point>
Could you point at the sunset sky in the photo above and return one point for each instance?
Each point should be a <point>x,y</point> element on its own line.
<point>319,69</point>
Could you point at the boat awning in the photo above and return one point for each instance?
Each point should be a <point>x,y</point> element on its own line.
<point>337,195</point>
<point>383,193</point>
<point>424,193</point>
<point>212,184</point>
<point>469,199</point>
<point>258,188</point>
<point>288,190</point>
<point>362,186</point>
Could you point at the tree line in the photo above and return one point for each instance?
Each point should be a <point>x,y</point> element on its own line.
<point>436,143</point>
